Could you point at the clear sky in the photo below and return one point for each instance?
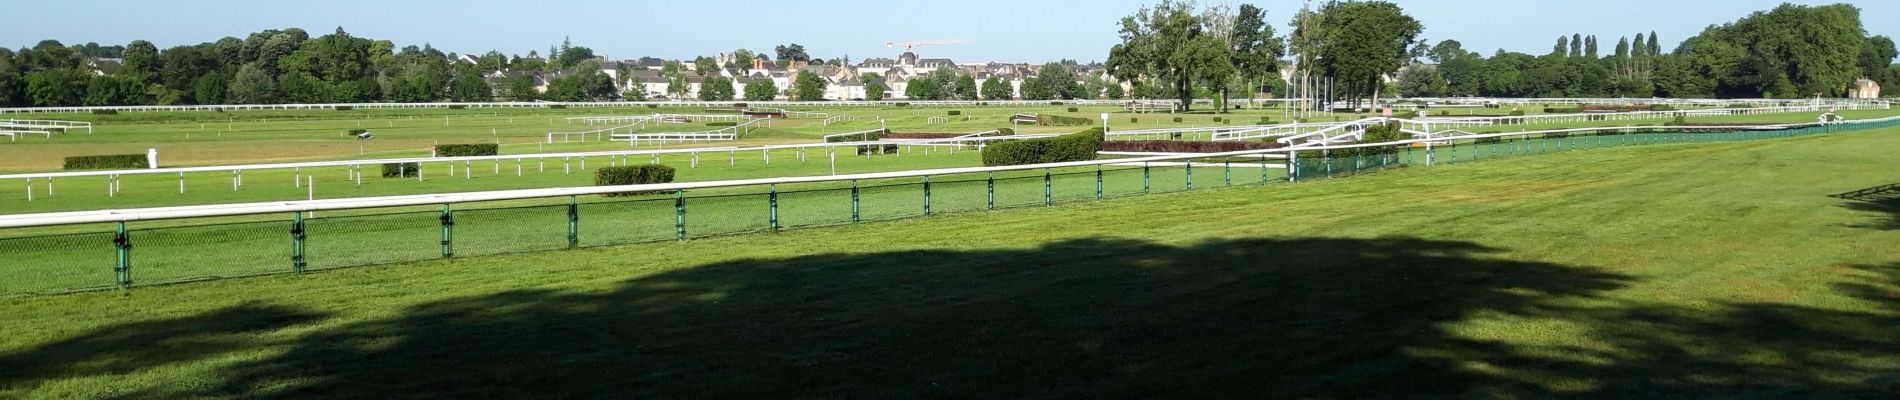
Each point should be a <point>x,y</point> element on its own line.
<point>1010,31</point>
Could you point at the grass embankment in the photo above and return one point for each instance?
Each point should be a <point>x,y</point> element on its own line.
<point>1704,270</point>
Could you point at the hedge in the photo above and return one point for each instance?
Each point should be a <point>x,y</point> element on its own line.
<point>1005,131</point>
<point>955,112</point>
<point>557,106</point>
<point>1134,120</point>
<point>1080,146</point>
<point>401,170</point>
<point>109,161</point>
<point>864,149</point>
<point>458,106</point>
<point>632,175</point>
<point>345,108</point>
<point>727,123</point>
<point>1517,113</point>
<point>105,112</point>
<point>1177,119</point>
<point>903,104</point>
<point>1058,120</point>
<point>1216,119</point>
<point>467,150</point>
<point>873,136</point>
<point>1073,109</point>
<point>1177,146</point>
<point>1661,107</point>
<point>1563,110</point>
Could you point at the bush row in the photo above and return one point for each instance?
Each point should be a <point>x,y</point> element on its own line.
<point>878,149</point>
<point>1178,146</point>
<point>726,123</point>
<point>632,175</point>
<point>467,150</point>
<point>109,161</point>
<point>1058,120</point>
<point>1078,146</point>
<point>955,112</point>
<point>402,170</point>
<point>873,136</point>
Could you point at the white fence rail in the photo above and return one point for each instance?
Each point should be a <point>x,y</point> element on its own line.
<point>519,104</point>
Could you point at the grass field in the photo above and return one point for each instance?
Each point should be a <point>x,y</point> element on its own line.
<point>1706,270</point>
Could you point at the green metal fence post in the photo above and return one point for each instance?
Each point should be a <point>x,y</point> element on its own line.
<point>296,243</point>
<point>926,194</point>
<point>123,244</point>
<point>1263,168</point>
<point>1227,172</point>
<point>854,200</point>
<point>989,191</point>
<point>1098,181</point>
<point>771,200</point>
<point>1048,191</point>
<point>448,232</point>
<point>679,214</point>
<point>1190,173</point>
<point>573,223</point>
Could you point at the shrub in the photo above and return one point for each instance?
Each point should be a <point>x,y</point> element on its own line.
<point>109,161</point>
<point>105,112</point>
<point>345,108</point>
<point>401,170</point>
<point>1080,146</point>
<point>1005,131</point>
<point>653,106</point>
<point>632,175</point>
<point>1058,120</point>
<point>557,106</point>
<point>955,112</point>
<point>740,105</point>
<point>1679,121</point>
<point>1661,107</point>
<point>458,106</point>
<point>1216,119</point>
<point>351,133</point>
<point>1517,113</point>
<point>903,104</point>
<point>1055,103</point>
<point>1134,120</point>
<point>1177,119</point>
<point>1444,112</point>
<point>467,150</point>
<point>1073,109</point>
<point>726,123</point>
<point>1178,146</point>
<point>1563,110</point>
<point>872,136</point>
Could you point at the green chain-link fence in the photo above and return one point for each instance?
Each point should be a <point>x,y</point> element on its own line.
<point>100,256</point>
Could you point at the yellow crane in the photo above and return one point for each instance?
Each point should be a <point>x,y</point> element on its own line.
<point>908,44</point>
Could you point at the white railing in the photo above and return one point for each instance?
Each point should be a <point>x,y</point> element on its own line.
<point>201,211</point>
<point>1352,128</point>
<point>727,133</point>
<point>836,119</point>
<point>866,134</point>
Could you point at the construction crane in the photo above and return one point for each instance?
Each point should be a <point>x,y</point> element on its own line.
<point>908,44</point>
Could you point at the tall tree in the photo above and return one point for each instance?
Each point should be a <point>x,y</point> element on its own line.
<point>716,88</point>
<point>252,85</point>
<point>1362,43</point>
<point>1154,45</point>
<point>997,89</point>
<point>141,59</point>
<point>966,87</point>
<point>791,52</point>
<point>761,90</point>
<point>1256,50</point>
<point>808,87</point>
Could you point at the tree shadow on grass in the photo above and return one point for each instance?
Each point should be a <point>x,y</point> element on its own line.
<point>1086,318</point>
<point>126,348</point>
<point>1256,318</point>
<point>1883,199</point>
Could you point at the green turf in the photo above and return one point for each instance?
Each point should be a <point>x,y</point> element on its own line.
<point>1705,270</point>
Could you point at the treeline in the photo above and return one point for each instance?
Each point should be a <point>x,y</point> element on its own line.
<point>1791,51</point>
<point>283,66</point>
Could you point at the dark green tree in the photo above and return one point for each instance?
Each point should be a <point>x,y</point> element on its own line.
<point>716,89</point>
<point>761,90</point>
<point>808,87</point>
<point>996,89</point>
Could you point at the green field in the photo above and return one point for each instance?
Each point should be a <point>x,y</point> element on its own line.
<point>1695,270</point>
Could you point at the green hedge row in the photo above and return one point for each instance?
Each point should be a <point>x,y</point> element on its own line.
<point>105,112</point>
<point>467,150</point>
<point>1058,120</point>
<point>878,149</point>
<point>401,170</point>
<point>632,175</point>
<point>1079,146</point>
<point>873,136</point>
<point>726,123</point>
<point>955,112</point>
<point>345,108</point>
<point>109,161</point>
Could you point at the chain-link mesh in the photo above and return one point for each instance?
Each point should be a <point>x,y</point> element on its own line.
<point>54,263</point>
<point>510,230</point>
<point>173,254</point>
<point>336,242</point>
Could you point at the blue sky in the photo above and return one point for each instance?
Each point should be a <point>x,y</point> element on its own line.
<point>1010,31</point>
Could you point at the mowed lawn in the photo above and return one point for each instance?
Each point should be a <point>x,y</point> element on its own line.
<point>1708,270</point>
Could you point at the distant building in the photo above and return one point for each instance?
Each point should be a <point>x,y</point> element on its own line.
<point>1864,88</point>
